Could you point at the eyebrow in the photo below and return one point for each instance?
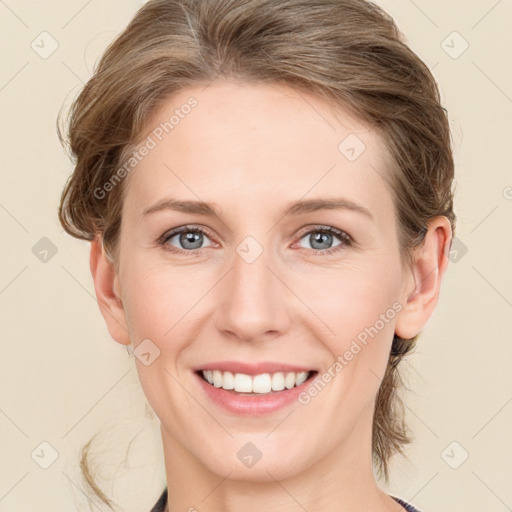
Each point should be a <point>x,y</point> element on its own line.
<point>297,208</point>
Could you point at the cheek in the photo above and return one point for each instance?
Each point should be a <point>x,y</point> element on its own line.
<point>352,298</point>
<point>154,299</point>
<point>156,309</point>
<point>346,298</point>
<point>359,307</point>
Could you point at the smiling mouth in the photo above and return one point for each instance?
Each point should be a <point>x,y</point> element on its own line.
<point>262,384</point>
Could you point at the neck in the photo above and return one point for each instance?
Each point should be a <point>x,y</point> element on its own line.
<point>341,481</point>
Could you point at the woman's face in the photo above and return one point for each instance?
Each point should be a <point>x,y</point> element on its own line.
<point>257,286</point>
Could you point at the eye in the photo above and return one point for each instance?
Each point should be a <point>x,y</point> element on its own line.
<point>322,237</point>
<point>188,238</point>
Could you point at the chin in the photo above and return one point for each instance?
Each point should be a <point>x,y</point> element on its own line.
<point>250,464</point>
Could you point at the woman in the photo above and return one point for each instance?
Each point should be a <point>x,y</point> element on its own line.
<point>266,186</point>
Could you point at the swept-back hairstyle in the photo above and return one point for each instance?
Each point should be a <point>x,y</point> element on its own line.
<point>347,52</point>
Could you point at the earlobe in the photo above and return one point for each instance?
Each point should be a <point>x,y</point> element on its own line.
<point>430,263</point>
<point>106,285</point>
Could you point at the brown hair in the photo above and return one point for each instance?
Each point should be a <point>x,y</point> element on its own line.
<point>348,52</point>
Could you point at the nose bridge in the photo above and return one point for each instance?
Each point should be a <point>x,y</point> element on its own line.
<point>252,301</point>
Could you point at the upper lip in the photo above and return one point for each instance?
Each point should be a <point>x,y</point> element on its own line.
<point>253,368</point>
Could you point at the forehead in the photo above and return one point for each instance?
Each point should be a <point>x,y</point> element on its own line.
<point>243,142</point>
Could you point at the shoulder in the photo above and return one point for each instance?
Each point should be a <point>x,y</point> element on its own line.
<point>407,507</point>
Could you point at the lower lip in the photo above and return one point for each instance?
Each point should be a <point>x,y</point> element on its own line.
<point>254,404</point>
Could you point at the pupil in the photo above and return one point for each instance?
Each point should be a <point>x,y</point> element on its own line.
<point>189,237</point>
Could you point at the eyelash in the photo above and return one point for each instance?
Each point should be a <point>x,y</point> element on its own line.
<point>345,238</point>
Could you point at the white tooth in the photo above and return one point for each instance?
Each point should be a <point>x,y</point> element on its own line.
<point>261,383</point>
<point>243,383</point>
<point>228,380</point>
<point>289,380</point>
<point>301,377</point>
<point>278,381</point>
<point>217,378</point>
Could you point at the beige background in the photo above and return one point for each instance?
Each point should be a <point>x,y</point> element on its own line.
<point>62,378</point>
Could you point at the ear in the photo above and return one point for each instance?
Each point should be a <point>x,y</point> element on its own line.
<point>422,285</point>
<point>108,292</point>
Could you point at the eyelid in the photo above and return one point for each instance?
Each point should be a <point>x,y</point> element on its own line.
<point>322,227</point>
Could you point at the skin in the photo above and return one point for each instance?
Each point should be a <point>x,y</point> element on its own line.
<point>251,150</point>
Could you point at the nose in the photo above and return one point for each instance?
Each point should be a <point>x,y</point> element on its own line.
<point>253,300</point>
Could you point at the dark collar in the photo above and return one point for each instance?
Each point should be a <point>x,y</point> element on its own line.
<point>161,503</point>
